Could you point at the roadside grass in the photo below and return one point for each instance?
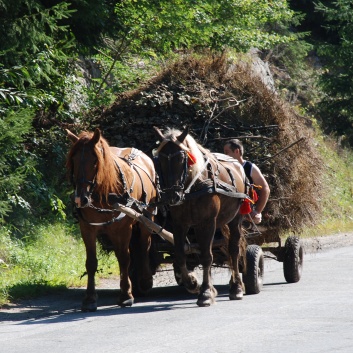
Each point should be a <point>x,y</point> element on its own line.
<point>53,260</point>
<point>337,212</point>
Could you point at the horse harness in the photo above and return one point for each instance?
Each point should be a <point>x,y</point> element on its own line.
<point>125,198</point>
<point>211,182</point>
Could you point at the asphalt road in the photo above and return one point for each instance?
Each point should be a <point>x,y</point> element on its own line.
<point>314,315</point>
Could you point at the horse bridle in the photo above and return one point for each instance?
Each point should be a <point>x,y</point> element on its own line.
<point>174,188</point>
<point>83,180</point>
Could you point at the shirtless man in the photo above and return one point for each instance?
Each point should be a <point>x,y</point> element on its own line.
<point>235,149</point>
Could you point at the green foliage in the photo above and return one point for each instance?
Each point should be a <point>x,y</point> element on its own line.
<point>27,191</point>
<point>164,26</point>
<point>155,29</point>
<point>34,49</point>
<point>92,21</point>
<point>336,108</point>
<point>31,35</point>
<point>15,163</point>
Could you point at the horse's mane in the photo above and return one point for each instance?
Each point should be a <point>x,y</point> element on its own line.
<point>193,147</point>
<point>107,176</point>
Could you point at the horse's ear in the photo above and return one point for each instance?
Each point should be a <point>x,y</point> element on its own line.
<point>181,137</point>
<point>72,137</point>
<point>96,136</point>
<point>159,133</point>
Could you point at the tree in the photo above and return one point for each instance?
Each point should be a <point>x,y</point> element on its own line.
<point>34,56</point>
<point>13,160</point>
<point>150,28</point>
<point>169,25</point>
<point>336,108</point>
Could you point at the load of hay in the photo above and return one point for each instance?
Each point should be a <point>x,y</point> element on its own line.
<point>218,100</point>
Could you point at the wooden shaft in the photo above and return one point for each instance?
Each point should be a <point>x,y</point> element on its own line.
<point>147,222</point>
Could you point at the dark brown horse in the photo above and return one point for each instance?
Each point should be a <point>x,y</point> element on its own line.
<point>98,170</point>
<point>204,194</point>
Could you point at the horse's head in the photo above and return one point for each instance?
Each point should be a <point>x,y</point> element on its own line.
<point>173,165</point>
<point>82,165</point>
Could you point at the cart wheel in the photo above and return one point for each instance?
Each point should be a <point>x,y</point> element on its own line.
<point>253,277</point>
<point>293,259</point>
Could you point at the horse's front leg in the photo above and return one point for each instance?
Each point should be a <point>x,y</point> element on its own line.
<point>236,247</point>
<point>146,281</point>
<point>205,234</point>
<point>121,241</point>
<point>89,302</point>
<point>188,279</point>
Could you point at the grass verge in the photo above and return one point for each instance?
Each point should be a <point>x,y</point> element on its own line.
<point>55,259</point>
<point>337,210</point>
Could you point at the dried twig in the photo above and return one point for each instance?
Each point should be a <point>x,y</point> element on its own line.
<point>284,149</point>
<point>243,137</point>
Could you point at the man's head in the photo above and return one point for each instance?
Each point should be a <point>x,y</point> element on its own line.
<point>231,146</point>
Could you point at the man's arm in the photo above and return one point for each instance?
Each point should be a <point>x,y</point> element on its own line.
<point>264,193</point>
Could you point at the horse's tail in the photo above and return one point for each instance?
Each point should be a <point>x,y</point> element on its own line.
<point>242,252</point>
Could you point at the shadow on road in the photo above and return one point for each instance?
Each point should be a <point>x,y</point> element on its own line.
<point>66,306</point>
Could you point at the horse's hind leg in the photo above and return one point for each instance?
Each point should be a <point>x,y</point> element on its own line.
<point>205,235</point>
<point>236,248</point>
<point>89,302</point>
<point>140,269</point>
<point>120,237</point>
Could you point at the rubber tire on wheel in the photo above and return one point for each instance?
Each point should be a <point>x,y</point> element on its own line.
<point>293,259</point>
<point>253,277</point>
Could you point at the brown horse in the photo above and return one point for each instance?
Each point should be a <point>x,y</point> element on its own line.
<point>98,170</point>
<point>204,194</point>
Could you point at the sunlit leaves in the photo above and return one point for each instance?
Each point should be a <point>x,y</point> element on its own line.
<point>169,25</point>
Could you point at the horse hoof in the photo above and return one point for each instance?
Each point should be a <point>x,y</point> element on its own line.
<point>206,298</point>
<point>203,303</point>
<point>89,307</point>
<point>236,292</point>
<point>194,288</point>
<point>127,302</point>
<point>192,285</point>
<point>236,296</point>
